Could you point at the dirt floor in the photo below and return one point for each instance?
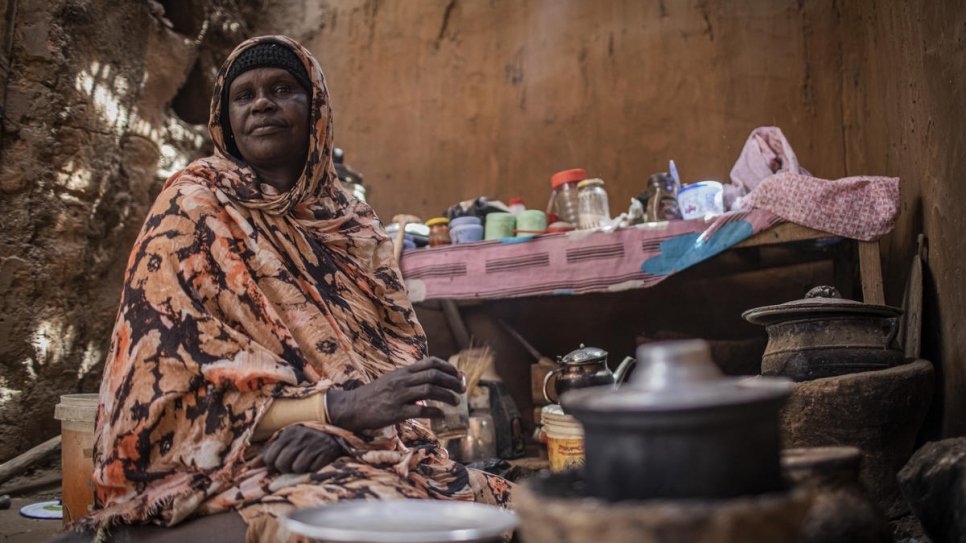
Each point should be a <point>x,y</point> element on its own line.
<point>15,528</point>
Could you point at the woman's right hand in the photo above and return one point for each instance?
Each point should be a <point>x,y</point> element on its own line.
<point>392,397</point>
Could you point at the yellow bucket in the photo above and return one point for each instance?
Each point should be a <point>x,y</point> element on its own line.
<point>565,439</point>
<point>76,413</point>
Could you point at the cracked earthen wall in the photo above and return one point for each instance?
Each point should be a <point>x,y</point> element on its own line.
<point>98,103</point>
<point>442,100</point>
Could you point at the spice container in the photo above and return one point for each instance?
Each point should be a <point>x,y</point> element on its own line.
<point>662,203</point>
<point>593,209</point>
<point>564,195</point>
<point>531,222</point>
<point>516,205</point>
<point>499,225</point>
<point>438,231</point>
<point>466,229</point>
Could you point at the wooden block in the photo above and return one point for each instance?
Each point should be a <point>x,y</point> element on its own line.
<point>870,272</point>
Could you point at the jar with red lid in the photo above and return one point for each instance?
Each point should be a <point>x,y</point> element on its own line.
<point>564,195</point>
<point>438,231</point>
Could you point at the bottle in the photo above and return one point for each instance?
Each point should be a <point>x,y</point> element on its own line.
<point>564,195</point>
<point>592,206</point>
<point>662,202</point>
<point>516,205</point>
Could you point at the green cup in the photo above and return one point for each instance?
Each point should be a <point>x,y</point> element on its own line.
<point>499,225</point>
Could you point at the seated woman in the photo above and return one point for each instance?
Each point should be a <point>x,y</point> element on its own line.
<point>265,356</point>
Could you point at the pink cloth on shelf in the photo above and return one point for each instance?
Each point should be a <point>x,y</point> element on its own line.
<point>767,176</point>
<point>863,207</point>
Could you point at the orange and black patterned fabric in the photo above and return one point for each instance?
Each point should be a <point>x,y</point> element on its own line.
<point>236,295</point>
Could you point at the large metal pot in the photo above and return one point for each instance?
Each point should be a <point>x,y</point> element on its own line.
<point>681,429</point>
<point>824,335</point>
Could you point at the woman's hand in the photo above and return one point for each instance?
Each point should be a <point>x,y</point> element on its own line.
<point>299,449</point>
<point>392,397</point>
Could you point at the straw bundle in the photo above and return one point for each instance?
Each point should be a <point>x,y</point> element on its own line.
<point>473,363</point>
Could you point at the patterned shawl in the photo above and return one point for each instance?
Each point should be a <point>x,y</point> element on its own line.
<point>235,295</point>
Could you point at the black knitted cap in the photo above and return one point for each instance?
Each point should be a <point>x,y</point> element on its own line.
<point>269,55</point>
<point>263,55</point>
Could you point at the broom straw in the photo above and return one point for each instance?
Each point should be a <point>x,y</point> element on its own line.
<point>474,362</point>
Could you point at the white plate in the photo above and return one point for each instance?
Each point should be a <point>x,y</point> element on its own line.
<point>43,510</point>
<point>402,521</point>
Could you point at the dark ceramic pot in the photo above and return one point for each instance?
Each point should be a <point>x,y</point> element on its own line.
<point>680,429</point>
<point>824,335</point>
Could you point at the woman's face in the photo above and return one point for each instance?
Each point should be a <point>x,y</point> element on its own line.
<point>269,115</point>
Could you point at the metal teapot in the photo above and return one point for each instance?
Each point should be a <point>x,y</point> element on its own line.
<point>585,367</point>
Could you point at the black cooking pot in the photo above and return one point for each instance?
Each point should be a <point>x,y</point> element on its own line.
<point>681,429</point>
<point>824,335</point>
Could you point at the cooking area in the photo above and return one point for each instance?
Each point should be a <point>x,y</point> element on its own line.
<point>533,271</point>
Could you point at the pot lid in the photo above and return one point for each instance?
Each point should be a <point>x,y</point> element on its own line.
<point>673,376</point>
<point>583,355</point>
<point>823,301</point>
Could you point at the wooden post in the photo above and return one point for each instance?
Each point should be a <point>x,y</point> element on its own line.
<point>870,273</point>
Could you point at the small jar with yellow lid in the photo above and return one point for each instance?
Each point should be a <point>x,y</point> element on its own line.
<point>593,209</point>
<point>438,231</point>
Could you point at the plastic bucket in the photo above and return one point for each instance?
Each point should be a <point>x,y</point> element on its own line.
<point>76,414</point>
<point>565,439</point>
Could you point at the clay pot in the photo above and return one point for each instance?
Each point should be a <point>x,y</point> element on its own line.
<point>841,511</point>
<point>555,509</point>
<point>880,412</point>
<point>824,335</point>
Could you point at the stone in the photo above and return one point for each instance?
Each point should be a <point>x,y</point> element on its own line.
<point>934,484</point>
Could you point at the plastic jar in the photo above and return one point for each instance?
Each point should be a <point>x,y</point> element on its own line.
<point>564,195</point>
<point>531,222</point>
<point>565,439</point>
<point>438,231</point>
<point>465,229</point>
<point>592,206</point>
<point>499,225</point>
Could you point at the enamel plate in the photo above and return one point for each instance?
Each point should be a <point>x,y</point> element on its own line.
<point>402,521</point>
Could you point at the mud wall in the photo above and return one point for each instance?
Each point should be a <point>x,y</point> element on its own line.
<point>903,97</point>
<point>98,108</point>
<point>439,101</point>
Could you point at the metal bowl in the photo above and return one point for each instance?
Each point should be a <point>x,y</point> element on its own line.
<point>403,521</point>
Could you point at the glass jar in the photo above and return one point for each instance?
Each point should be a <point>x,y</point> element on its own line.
<point>662,202</point>
<point>438,231</point>
<point>564,195</point>
<point>592,206</point>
